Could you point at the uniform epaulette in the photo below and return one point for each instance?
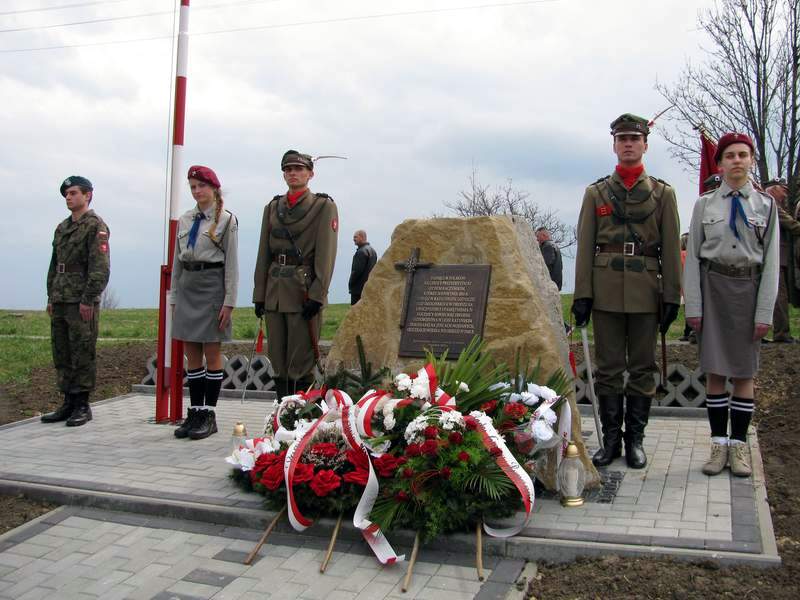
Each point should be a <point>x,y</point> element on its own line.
<point>277,197</point>
<point>602,179</point>
<point>323,195</point>
<point>659,180</point>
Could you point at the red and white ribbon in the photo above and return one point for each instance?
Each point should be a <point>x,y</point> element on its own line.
<point>505,460</point>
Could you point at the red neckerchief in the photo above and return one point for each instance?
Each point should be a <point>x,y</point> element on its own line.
<point>293,197</point>
<point>629,175</point>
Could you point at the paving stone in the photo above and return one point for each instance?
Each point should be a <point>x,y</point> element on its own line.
<point>195,590</point>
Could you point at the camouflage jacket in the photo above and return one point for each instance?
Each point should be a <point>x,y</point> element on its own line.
<point>80,265</point>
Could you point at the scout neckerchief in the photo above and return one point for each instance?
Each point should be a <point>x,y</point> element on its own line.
<point>195,228</point>
<point>737,210</point>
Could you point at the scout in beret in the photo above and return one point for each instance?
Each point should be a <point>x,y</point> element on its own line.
<point>205,279</point>
<point>628,248</point>
<point>78,274</point>
<point>730,287</point>
<point>296,255</point>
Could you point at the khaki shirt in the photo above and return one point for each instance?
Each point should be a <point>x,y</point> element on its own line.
<point>711,238</point>
<point>225,249</point>
<point>313,224</point>
<point>623,283</point>
<point>789,227</point>
<point>80,264</point>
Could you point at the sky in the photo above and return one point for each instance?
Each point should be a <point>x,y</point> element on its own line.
<point>415,93</point>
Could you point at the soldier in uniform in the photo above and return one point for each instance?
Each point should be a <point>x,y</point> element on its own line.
<point>78,274</point>
<point>296,254</point>
<point>627,277</point>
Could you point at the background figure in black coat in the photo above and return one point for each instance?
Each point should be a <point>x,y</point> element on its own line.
<point>363,261</point>
<point>551,255</point>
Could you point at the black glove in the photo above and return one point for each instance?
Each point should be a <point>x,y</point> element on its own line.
<point>259,307</point>
<point>582,309</point>
<point>310,309</point>
<point>670,313</point>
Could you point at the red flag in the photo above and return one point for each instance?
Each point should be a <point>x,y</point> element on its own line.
<point>708,166</point>
<point>260,340</point>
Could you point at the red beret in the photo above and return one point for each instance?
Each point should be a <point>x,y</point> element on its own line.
<point>205,174</point>
<point>732,138</point>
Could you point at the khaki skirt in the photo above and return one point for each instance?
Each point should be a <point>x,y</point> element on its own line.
<point>199,298</point>
<point>725,341</point>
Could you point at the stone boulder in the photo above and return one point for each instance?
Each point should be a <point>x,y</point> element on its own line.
<point>523,310</point>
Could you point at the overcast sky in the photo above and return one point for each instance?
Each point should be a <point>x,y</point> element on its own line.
<point>415,101</point>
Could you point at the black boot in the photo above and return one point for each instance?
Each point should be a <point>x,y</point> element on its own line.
<point>611,417</point>
<point>205,425</point>
<point>62,413</point>
<point>281,388</point>
<point>183,429</point>
<point>300,385</point>
<point>81,413</point>
<point>636,414</point>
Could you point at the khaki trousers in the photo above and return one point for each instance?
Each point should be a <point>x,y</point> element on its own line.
<point>625,342</point>
<point>289,344</point>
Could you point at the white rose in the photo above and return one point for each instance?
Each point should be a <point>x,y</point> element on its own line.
<point>542,432</point>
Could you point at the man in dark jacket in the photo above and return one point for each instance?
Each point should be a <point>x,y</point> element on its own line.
<point>363,261</point>
<point>551,255</point>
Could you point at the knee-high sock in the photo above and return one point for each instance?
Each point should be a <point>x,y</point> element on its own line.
<point>741,412</point>
<point>213,385</point>
<point>717,407</point>
<point>197,385</point>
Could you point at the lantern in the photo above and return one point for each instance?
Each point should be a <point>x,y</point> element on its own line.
<point>571,477</point>
<point>239,436</point>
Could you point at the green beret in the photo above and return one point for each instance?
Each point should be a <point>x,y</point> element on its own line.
<point>630,124</point>
<point>75,180</point>
<point>293,157</point>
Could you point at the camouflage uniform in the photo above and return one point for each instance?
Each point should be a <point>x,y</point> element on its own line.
<point>78,274</point>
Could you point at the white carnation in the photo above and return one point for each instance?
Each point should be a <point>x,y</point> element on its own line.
<point>462,387</point>
<point>542,432</point>
<point>403,382</point>
<point>549,416</point>
<point>544,392</point>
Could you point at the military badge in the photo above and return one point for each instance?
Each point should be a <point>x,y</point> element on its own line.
<point>335,225</point>
<point>604,210</point>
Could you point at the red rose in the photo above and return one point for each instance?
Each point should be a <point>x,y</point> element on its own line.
<point>408,473</point>
<point>515,410</point>
<point>325,449</point>
<point>303,473</point>
<point>489,406</point>
<point>273,477</point>
<point>324,482</point>
<point>463,456</point>
<point>402,460</point>
<point>430,447</point>
<point>401,496</point>
<point>431,432</point>
<point>357,458</point>
<point>385,465</point>
<point>495,451</point>
<point>445,472</point>
<point>455,437</point>
<point>413,450</point>
<point>359,476</point>
<point>471,422</point>
<point>506,426</point>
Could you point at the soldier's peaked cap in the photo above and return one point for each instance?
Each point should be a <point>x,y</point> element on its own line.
<point>630,124</point>
<point>75,180</point>
<point>293,157</point>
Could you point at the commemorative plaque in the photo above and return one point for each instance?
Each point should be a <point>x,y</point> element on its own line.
<point>444,309</point>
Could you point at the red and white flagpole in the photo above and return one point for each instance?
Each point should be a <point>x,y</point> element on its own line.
<point>169,362</point>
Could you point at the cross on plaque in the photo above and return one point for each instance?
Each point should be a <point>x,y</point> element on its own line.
<point>410,265</point>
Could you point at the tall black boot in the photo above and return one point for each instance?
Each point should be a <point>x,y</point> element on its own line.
<point>301,385</point>
<point>611,418</point>
<point>62,413</point>
<point>81,413</point>
<point>206,424</point>
<point>637,413</point>
<point>281,388</point>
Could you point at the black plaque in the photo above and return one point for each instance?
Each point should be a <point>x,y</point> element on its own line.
<point>446,309</point>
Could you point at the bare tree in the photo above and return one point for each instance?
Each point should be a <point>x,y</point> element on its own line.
<point>109,299</point>
<point>748,82</point>
<point>484,201</point>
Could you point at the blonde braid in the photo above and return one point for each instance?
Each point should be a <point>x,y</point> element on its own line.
<point>218,202</point>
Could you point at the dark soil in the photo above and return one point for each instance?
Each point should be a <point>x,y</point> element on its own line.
<point>777,399</point>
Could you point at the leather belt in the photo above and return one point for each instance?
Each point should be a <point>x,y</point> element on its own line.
<point>731,271</point>
<point>288,260</point>
<point>64,268</point>
<point>202,266</point>
<point>628,249</point>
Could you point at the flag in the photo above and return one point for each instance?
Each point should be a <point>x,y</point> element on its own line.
<point>708,167</point>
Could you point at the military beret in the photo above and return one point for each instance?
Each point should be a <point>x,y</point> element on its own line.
<point>75,180</point>
<point>712,182</point>
<point>205,175</point>
<point>732,138</point>
<point>293,157</point>
<point>630,124</point>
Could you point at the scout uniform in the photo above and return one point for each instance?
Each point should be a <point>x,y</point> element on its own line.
<point>628,253</point>
<point>296,255</point>
<point>78,274</point>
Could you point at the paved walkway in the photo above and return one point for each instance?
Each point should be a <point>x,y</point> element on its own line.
<point>153,483</point>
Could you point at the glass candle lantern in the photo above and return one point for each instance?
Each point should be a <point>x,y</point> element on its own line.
<point>238,436</point>
<point>571,477</point>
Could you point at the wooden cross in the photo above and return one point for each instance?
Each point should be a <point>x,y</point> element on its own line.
<point>410,265</point>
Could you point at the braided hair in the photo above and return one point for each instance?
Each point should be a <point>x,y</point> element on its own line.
<point>218,203</point>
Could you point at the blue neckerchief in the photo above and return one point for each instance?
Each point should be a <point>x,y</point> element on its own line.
<point>737,209</point>
<point>195,228</point>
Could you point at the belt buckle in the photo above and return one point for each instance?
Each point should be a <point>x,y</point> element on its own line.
<point>61,268</point>
<point>628,248</point>
<point>282,260</point>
